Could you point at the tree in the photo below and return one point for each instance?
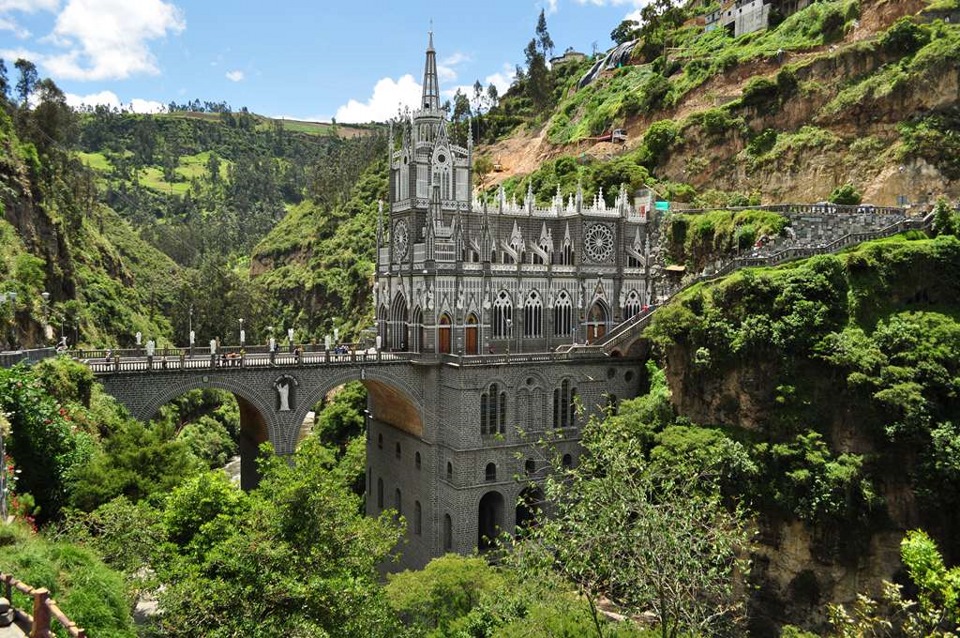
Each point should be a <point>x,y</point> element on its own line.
<point>936,612</point>
<point>4,82</point>
<point>945,219</point>
<point>657,20</point>
<point>649,539</point>
<point>295,557</point>
<point>27,81</point>
<point>543,36</point>
<point>537,77</point>
<point>482,166</point>
<point>443,591</point>
<point>625,31</point>
<point>493,96</point>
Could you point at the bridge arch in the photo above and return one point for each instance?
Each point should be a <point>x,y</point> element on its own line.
<point>256,423</point>
<point>392,399</point>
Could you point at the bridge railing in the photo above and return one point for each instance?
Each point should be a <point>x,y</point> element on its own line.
<point>809,209</point>
<point>45,610</point>
<point>517,357</point>
<point>135,361</point>
<point>13,357</point>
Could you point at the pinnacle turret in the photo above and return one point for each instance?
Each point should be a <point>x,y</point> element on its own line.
<point>431,85</point>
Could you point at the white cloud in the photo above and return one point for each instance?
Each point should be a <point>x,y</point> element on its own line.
<point>501,80</point>
<point>15,54</point>
<point>7,24</point>
<point>138,105</point>
<point>551,7</point>
<point>389,95</point>
<point>446,71</point>
<point>235,76</point>
<point>109,98</point>
<point>29,6</point>
<point>636,4</point>
<point>107,39</point>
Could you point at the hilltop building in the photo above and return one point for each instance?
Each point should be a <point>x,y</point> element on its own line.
<point>746,16</point>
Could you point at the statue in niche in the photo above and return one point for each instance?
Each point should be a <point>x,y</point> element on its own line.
<point>283,394</point>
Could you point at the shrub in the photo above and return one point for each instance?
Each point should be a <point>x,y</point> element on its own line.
<point>762,143</point>
<point>660,137</point>
<point>846,195</point>
<point>91,594</point>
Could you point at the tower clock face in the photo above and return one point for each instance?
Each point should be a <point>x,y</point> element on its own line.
<point>401,237</point>
<point>598,242</point>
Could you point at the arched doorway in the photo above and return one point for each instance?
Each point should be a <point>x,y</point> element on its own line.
<point>597,320</point>
<point>443,336</point>
<point>489,520</point>
<point>472,335</point>
<point>528,508</point>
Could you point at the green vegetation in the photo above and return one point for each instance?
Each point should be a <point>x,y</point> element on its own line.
<point>874,328</point>
<point>699,239</point>
<point>92,594</point>
<point>936,612</point>
<point>653,535</point>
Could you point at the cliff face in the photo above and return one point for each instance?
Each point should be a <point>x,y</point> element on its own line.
<point>59,240</point>
<point>739,358</point>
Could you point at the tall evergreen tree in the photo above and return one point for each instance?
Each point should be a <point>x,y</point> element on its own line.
<point>28,79</point>
<point>543,36</point>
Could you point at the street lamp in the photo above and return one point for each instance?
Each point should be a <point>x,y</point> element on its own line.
<point>45,296</point>
<point>3,473</point>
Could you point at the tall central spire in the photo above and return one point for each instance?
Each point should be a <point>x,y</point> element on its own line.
<point>431,87</point>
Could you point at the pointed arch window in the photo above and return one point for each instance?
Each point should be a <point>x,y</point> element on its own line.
<point>417,518</point>
<point>533,316</point>
<point>563,315</point>
<point>632,305</point>
<point>564,405</point>
<point>493,410</point>
<point>502,315</point>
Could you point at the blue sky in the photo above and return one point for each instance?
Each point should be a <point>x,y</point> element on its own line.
<point>305,59</point>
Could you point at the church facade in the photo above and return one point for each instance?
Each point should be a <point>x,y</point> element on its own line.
<point>466,282</point>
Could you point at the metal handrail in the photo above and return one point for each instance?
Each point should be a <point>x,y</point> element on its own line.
<point>640,321</point>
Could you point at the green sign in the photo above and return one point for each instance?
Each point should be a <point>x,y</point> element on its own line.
<point>661,206</point>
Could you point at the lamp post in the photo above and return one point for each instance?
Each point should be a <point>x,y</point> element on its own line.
<point>3,473</point>
<point>192,336</point>
<point>46,316</point>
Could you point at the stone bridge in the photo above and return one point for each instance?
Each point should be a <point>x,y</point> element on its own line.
<point>274,393</point>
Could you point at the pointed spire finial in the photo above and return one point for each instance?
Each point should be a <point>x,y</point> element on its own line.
<point>431,85</point>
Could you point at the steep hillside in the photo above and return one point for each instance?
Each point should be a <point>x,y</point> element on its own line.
<point>837,377</point>
<point>845,91</point>
<point>104,282</point>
